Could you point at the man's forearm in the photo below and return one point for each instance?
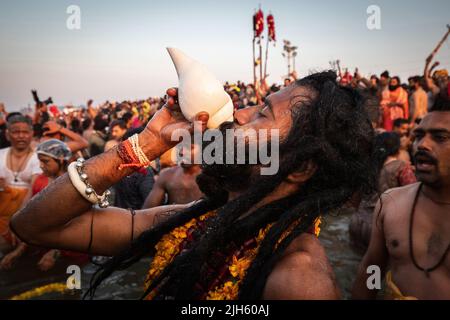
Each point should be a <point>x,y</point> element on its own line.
<point>60,202</point>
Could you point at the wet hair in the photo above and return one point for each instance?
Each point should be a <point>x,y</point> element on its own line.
<point>331,128</point>
<point>18,118</point>
<point>399,122</point>
<point>441,102</point>
<point>398,80</point>
<point>132,131</point>
<point>12,114</point>
<point>120,123</point>
<point>38,131</point>
<point>75,126</point>
<point>386,144</point>
<point>416,79</point>
<point>86,123</point>
<point>100,123</point>
<point>377,80</point>
<point>127,116</point>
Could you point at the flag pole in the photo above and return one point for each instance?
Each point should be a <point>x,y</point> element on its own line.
<point>254,61</point>
<point>260,61</point>
<point>267,54</point>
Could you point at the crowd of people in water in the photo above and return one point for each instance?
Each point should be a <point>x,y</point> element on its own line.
<point>36,149</point>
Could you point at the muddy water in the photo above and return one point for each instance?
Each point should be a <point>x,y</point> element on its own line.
<point>128,284</point>
<point>334,236</point>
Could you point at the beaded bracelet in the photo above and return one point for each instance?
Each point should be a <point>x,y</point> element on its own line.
<point>132,154</point>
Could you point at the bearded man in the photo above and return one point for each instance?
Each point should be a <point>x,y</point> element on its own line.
<point>410,235</point>
<point>398,100</point>
<point>252,236</point>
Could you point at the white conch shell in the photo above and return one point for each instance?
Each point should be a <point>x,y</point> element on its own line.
<point>199,90</point>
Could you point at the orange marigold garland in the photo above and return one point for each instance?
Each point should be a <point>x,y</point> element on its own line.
<point>39,291</point>
<point>170,244</point>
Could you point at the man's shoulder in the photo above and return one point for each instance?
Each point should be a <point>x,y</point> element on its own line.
<point>168,172</point>
<point>402,192</point>
<point>397,200</point>
<point>302,273</point>
<point>34,160</point>
<point>4,151</point>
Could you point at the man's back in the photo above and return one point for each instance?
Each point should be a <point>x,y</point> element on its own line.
<point>182,187</point>
<point>178,184</point>
<point>420,100</point>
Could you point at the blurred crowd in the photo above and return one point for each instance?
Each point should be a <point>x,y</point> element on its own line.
<point>36,148</point>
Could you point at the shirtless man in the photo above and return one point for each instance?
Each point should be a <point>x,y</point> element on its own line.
<point>315,119</point>
<point>177,182</point>
<point>416,215</point>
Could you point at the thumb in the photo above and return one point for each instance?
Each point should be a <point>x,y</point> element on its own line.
<point>201,120</point>
<point>176,131</point>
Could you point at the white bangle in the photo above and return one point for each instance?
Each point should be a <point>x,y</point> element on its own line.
<point>79,181</point>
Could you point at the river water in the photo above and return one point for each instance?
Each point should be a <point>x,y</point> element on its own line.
<point>127,284</point>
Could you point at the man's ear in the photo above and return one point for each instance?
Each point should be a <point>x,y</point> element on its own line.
<point>7,135</point>
<point>304,173</point>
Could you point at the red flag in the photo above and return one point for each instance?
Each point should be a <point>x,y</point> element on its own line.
<point>271,27</point>
<point>258,23</point>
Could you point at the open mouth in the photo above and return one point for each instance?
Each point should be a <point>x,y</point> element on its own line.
<point>424,163</point>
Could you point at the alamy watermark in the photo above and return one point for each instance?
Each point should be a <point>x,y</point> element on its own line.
<point>373,281</point>
<point>242,146</point>
<point>373,21</point>
<point>73,21</point>
<point>74,280</point>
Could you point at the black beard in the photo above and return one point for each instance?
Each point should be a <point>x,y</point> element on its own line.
<point>393,88</point>
<point>230,177</point>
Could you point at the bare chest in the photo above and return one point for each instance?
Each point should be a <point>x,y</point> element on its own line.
<point>421,239</point>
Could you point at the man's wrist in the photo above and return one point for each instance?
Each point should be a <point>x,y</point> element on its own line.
<point>151,144</point>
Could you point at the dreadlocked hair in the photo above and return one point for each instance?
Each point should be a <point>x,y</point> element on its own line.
<point>331,129</point>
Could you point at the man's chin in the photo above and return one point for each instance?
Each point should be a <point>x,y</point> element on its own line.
<point>232,178</point>
<point>428,178</point>
<point>21,145</point>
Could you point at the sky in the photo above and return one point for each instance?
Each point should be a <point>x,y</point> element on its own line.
<point>119,51</point>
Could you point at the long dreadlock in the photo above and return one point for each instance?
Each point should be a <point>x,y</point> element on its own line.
<point>332,129</point>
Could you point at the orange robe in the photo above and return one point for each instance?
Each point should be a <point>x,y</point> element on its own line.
<point>11,200</point>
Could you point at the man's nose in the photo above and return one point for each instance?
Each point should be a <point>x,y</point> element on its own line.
<point>245,115</point>
<point>425,143</point>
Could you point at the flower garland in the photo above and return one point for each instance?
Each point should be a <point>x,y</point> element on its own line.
<point>167,249</point>
<point>39,291</point>
<point>170,245</point>
<point>238,268</point>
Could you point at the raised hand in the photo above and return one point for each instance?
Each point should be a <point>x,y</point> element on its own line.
<point>169,119</point>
